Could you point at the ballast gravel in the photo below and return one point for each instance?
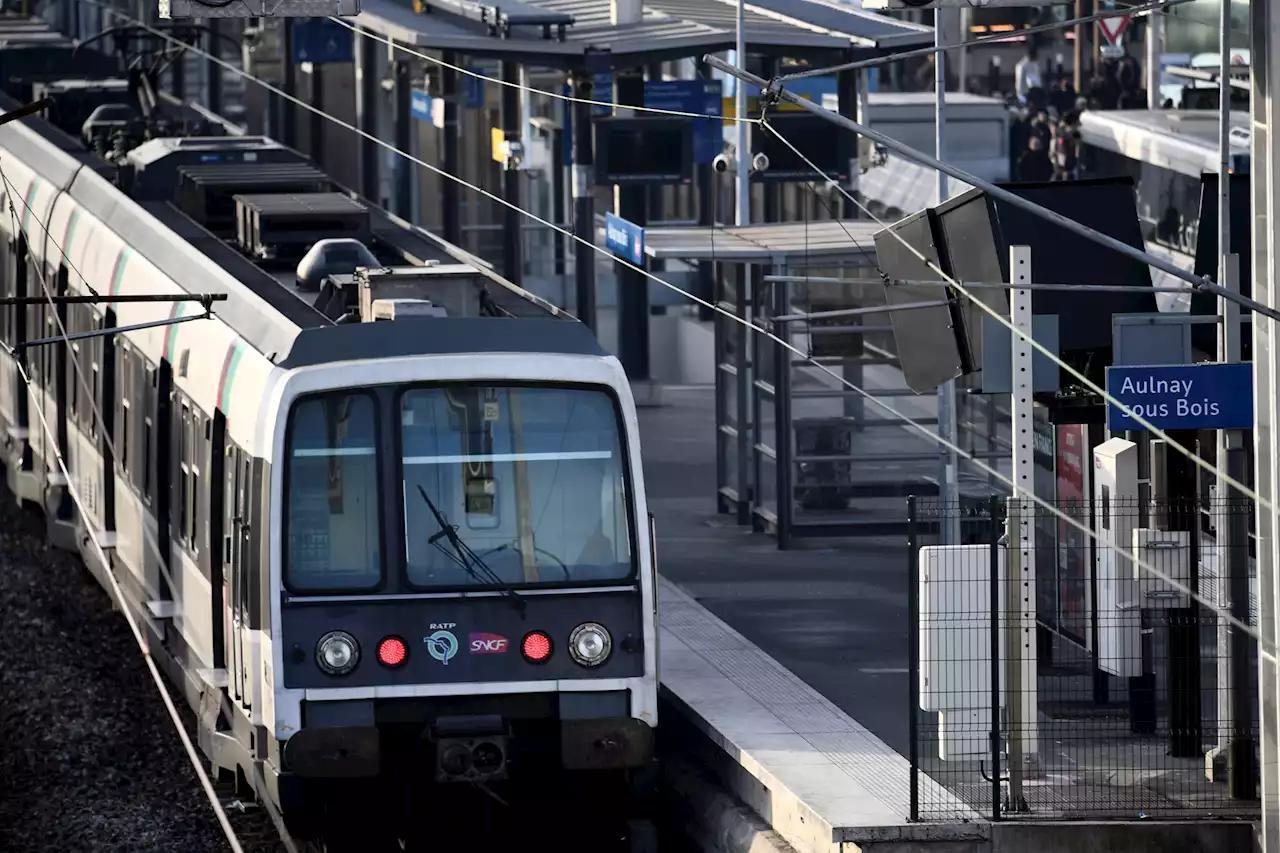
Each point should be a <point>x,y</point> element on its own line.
<point>90,761</point>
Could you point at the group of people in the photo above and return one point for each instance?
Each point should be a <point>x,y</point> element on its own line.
<point>1045,110</point>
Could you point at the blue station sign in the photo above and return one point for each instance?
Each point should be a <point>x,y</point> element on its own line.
<point>321,41</point>
<point>420,105</point>
<point>1182,396</point>
<point>624,239</point>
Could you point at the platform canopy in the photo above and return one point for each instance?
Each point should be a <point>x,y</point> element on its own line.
<point>579,33</point>
<point>792,244</point>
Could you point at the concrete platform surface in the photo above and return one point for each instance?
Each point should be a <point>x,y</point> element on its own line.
<point>824,778</point>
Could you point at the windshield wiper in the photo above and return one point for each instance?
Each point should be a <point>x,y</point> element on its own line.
<point>465,557</point>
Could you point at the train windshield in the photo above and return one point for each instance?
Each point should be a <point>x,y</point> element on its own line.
<point>332,483</point>
<point>532,478</point>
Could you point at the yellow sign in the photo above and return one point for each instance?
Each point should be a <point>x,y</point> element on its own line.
<point>753,106</point>
<point>498,144</point>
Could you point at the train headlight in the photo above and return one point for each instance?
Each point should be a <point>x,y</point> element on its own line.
<point>337,653</point>
<point>590,644</point>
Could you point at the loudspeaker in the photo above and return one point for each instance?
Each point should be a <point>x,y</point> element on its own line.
<point>969,237</point>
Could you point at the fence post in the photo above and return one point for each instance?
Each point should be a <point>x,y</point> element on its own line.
<point>993,508</point>
<point>1013,665</point>
<point>913,658</point>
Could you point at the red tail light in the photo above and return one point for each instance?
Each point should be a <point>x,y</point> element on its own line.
<point>392,651</point>
<point>536,647</point>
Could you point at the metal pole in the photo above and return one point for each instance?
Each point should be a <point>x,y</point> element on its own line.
<point>950,490</point>
<point>450,144</point>
<point>1155,47</point>
<point>512,123</point>
<point>1228,351</point>
<point>1233,527</point>
<point>1078,47</point>
<point>1020,593</point>
<point>1264,26</point>
<point>913,661</point>
<point>584,214</point>
<point>1236,713</point>
<point>743,160</point>
<point>1203,284</point>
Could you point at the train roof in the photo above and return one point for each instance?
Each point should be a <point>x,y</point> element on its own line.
<point>1184,141</point>
<point>249,204</point>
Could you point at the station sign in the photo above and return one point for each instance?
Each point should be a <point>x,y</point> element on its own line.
<point>624,239</point>
<point>1182,396</point>
<point>321,42</point>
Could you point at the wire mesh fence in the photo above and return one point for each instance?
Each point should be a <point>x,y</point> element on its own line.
<point>1112,693</point>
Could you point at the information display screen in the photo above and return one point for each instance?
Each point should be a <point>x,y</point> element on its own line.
<point>823,144</point>
<point>643,151</point>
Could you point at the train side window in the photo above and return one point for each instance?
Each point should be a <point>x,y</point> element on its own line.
<point>229,513</point>
<point>196,464</point>
<point>6,257</point>
<point>182,473</point>
<point>206,499</point>
<point>73,377</point>
<point>35,319</point>
<point>19,282</point>
<point>148,432</point>
<point>124,382</point>
<point>95,354</point>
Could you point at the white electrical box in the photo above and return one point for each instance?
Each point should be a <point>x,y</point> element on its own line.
<point>955,650</point>
<point>1169,553</point>
<point>1115,501</point>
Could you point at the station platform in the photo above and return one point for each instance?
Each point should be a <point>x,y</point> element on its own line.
<point>787,672</point>
<point>833,613</point>
<point>793,663</point>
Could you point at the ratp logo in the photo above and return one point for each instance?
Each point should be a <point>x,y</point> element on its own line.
<point>442,645</point>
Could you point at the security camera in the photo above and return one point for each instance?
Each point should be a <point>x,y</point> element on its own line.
<point>760,162</point>
<point>720,164</point>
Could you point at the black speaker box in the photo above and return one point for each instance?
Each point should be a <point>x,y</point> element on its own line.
<point>969,237</point>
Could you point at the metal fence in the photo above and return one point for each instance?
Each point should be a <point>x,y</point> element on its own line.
<point>1133,720</point>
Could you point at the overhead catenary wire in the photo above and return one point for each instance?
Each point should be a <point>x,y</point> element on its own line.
<point>1266,646</point>
<point>197,762</point>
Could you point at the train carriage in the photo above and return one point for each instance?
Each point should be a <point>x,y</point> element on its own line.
<point>400,528</point>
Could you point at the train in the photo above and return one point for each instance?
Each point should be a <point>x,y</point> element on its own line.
<point>379,513</point>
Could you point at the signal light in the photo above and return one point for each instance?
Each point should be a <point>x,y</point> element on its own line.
<point>392,651</point>
<point>536,647</point>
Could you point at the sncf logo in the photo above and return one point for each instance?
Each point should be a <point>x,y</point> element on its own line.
<point>488,644</point>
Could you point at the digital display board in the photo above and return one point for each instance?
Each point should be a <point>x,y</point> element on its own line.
<point>823,144</point>
<point>643,151</point>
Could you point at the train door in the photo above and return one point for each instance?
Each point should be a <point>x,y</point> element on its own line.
<point>18,329</point>
<point>220,496</point>
<point>236,573</point>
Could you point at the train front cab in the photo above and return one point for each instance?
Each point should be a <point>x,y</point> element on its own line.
<point>467,583</point>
